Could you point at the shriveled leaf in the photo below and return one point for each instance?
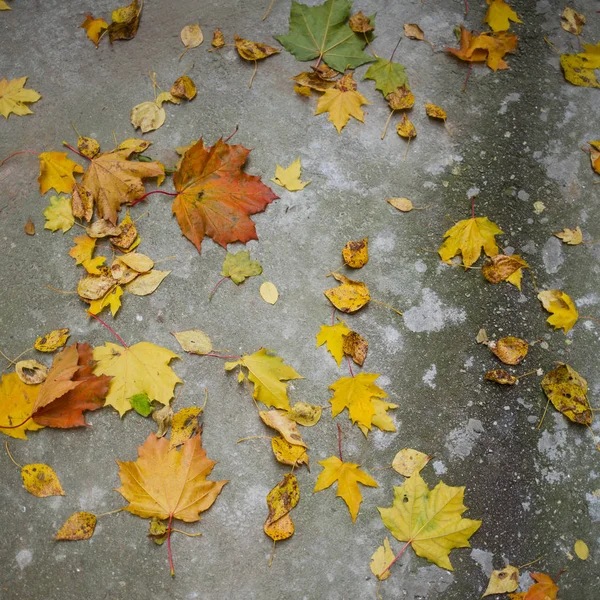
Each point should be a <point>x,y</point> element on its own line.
<point>401,98</point>
<point>146,283</point>
<point>381,559</point>
<point>185,425</point>
<point>280,501</point>
<point>305,414</point>
<point>501,267</point>
<point>481,337</point>
<point>280,421</point>
<point>348,476</point>
<point>408,461</point>
<point>413,31</point>
<point>350,296</point>
<point>356,254</point>
<point>191,36</point>
<point>510,350</point>
<point>41,481</point>
<point>163,417</point>
<point>503,581</point>
<point>405,128</point>
<point>333,337</point>
<point>94,28</point>
<point>31,372</point>
<point>82,203</point>
<point>147,116</point>
<point>94,287</point>
<point>342,102</point>
<point>289,178</point>
<point>498,17</point>
<point>218,40</point>
<point>52,341</point>
<point>355,346</point>
<point>500,376</point>
<point>184,88</point>
<point>289,454</point>
<point>79,526</point>
<point>431,521</point>
<point>490,48</point>
<point>564,312</point>
<point>581,550</point>
<point>435,112</point>
<point>14,97</point>
<point>141,368</point>
<point>238,266</point>
<point>268,292</point>
<point>312,81</point>
<point>572,21</point>
<point>193,341</point>
<point>360,23</point>
<point>268,373</point>
<point>567,390</point>
<point>16,405</point>
<point>102,228</point>
<point>572,237</point>
<point>253,50</point>
<point>125,22</point>
<point>128,238</point>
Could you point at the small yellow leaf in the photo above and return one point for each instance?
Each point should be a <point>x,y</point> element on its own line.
<point>268,292</point>
<point>350,296</point>
<point>289,454</point>
<point>289,178</point>
<point>579,68</point>
<point>499,15</point>
<point>510,350</point>
<point>305,414</point>
<point>280,501</point>
<point>381,559</point>
<point>94,28</point>
<point>573,237</point>
<point>253,50</point>
<point>500,376</point>
<point>401,98</point>
<point>59,214</point>
<point>147,116</point>
<point>356,254</point>
<point>572,21</point>
<point>111,299</point>
<point>191,36</point>
<point>581,550</point>
<point>79,526</point>
<point>503,581</point>
<point>166,97</point>
<point>41,481</point>
<point>238,266</point>
<point>402,204</point>
<point>183,88</point>
<point>185,425</point>
<point>88,146</point>
<point>408,461</point>
<point>380,418</point>
<point>333,337</point>
<point>218,40</point>
<point>193,341</point>
<point>52,341</point>
<point>435,112</point>
<point>564,313</point>
<point>405,128</point>
<point>138,262</point>
<point>413,31</point>
<point>31,372</point>
<point>302,90</point>
<point>355,346</point>
<point>146,283</point>
<point>279,420</point>
<point>57,171</point>
<point>567,390</point>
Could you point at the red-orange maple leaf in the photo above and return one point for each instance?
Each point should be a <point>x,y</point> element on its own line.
<point>70,389</point>
<point>215,197</point>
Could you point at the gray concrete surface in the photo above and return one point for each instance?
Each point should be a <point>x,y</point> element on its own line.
<point>516,139</point>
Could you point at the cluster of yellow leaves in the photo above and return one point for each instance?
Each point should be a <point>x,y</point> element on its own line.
<point>124,24</point>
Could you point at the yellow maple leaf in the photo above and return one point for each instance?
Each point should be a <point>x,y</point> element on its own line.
<point>289,178</point>
<point>430,520</point>
<point>573,237</point>
<point>112,299</point>
<point>380,419</point>
<point>563,309</point>
<point>59,214</point>
<point>16,404</point>
<point>468,237</point>
<point>333,337</point>
<point>342,102</point>
<point>357,395</point>
<point>348,476</point>
<point>57,171</point>
<point>137,369</point>
<point>94,28</point>
<point>13,97</point>
<point>499,15</point>
<point>268,373</point>
<point>83,251</point>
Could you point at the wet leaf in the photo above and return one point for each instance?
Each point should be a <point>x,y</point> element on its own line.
<point>305,414</point>
<point>380,560</point>
<point>430,520</point>
<point>356,254</point>
<point>581,550</point>
<point>490,48</point>
<point>510,350</point>
<point>268,292</point>
<point>280,501</point>
<point>279,420</point>
<point>500,376</point>
<point>41,481</point>
<point>289,178</point>
<point>564,313</point>
<point>499,15</point>
<point>14,97</point>
<point>94,28</point>
<point>238,266</point>
<point>572,21</point>
<point>193,341</point>
<point>52,341</point>
<point>185,425</point>
<point>405,128</point>
<point>333,337</point>
<point>57,172</point>
<point>147,116</point>
<point>348,476</point>
<point>544,589</point>
<point>289,454</point>
<point>79,526</point>
<point>16,404</point>
<point>503,581</point>
<point>31,372</point>
<point>503,268</point>
<point>567,390</point>
<point>125,22</point>
<point>573,237</point>
<point>408,461</point>
<point>355,346</point>
<point>350,296</point>
<point>388,76</point>
<point>413,31</point>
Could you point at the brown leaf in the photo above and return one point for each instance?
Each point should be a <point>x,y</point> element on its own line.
<point>501,376</point>
<point>29,227</point>
<point>218,40</point>
<point>356,347</point>
<point>401,98</point>
<point>500,267</point>
<point>413,31</point>
<point>510,350</point>
<point>184,87</point>
<point>360,23</point>
<point>125,22</point>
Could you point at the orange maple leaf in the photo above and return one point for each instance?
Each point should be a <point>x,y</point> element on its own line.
<point>215,198</point>
<point>544,589</point>
<point>485,47</point>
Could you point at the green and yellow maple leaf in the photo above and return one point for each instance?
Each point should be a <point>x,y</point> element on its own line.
<point>499,15</point>
<point>238,266</point>
<point>564,312</point>
<point>268,373</point>
<point>59,214</point>
<point>430,520</point>
<point>348,476</point>
<point>333,337</point>
<point>468,237</point>
<point>323,32</point>
<point>388,76</point>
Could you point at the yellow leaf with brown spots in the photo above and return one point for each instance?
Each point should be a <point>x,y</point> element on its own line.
<point>79,526</point>
<point>356,254</point>
<point>567,390</point>
<point>41,481</point>
<point>52,341</point>
<point>289,454</point>
<point>350,296</point>
<point>510,350</point>
<point>280,501</point>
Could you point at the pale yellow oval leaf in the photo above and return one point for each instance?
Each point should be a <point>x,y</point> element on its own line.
<point>138,262</point>
<point>381,559</point>
<point>408,461</point>
<point>402,204</point>
<point>191,36</point>
<point>146,283</point>
<point>147,116</point>
<point>193,341</point>
<point>269,292</point>
<point>31,372</point>
<point>582,550</point>
<point>41,481</point>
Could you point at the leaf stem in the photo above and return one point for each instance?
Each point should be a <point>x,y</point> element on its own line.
<point>333,317</point>
<point>396,558</point>
<point>110,512</point>
<point>590,318</point>
<point>387,123</point>
<point>16,426</point>
<point>110,329</point>
<point>215,288</point>
<point>186,533</point>
<point>253,73</point>
<point>222,356</point>
<point>473,207</point>
<point>138,200</point>
<point>395,48</point>
<point>235,130</point>
<point>11,456</point>
<point>268,10</point>
<point>76,151</point>
<point>387,305</point>
<point>254,437</point>
<point>17,153</point>
<point>349,365</point>
<point>339,428</point>
<point>169,530</point>
<point>464,87</point>
<point>531,563</point>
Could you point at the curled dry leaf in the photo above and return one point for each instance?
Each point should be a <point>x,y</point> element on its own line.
<point>94,287</point>
<point>14,97</point>
<point>503,581</point>
<point>564,313</point>
<point>253,50</point>
<point>413,31</point>
<point>350,296</point>
<point>567,390</point>
<point>268,292</point>
<point>280,501</point>
<point>125,22</point>
<point>218,40</point>
<point>193,341</point>
<point>289,454</point>
<point>191,36</point>
<point>102,228</point>
<point>313,81</point>
<point>355,346</point>
<point>500,376</point>
<point>485,47</point>
<point>305,414</point>
<point>405,128</point>
<point>52,341</point>
<point>510,350</point>
<point>163,417</point>
<point>356,254</point>
<point>401,98</point>
<point>82,203</point>
<point>41,481</point>
<point>59,214</point>
<point>504,268</point>
<point>408,461</point>
<point>94,28</point>
<point>184,88</point>
<point>147,116</point>
<point>29,227</point>
<point>146,283</point>
<point>280,421</point>
<point>381,559</point>
<point>573,237</point>
<point>129,238</point>
<point>79,526</point>
<point>360,23</point>
<point>31,372</point>
<point>185,425</point>
<point>88,146</point>
<point>572,21</point>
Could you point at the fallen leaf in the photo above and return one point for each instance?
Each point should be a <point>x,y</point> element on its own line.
<point>360,23</point>
<point>125,22</point>
<point>468,237</point>
<point>215,198</point>
<point>238,266</point>
<point>499,15</point>
<point>14,96</point>
<point>128,238</point>
<point>388,76</point>
<point>112,300</point>
<point>435,112</point>
<point>595,155</point>
<point>193,341</point>
<point>253,50</point>
<point>350,296</point>
<point>579,68</point>
<point>59,214</point>
<point>268,373</point>
<point>218,40</point>
<point>413,31</point>
<point>380,419</point>
<point>401,99</point>
<point>485,47</point>
<point>147,116</point>
<point>430,521</point>
<point>183,88</point>
<point>185,425</point>
<point>567,390</point>
<point>79,526</point>
<point>408,461</point>
<point>500,376</point>
<point>289,178</point>
<point>348,476</point>
<point>94,28</point>
<point>312,81</point>
<point>356,254</point>
<point>503,581</point>
<point>481,337</point>
<point>402,204</point>
<point>289,454</point>
<point>134,144</point>
<point>82,203</point>
<point>88,146</point>
<point>572,21</point>
<point>355,346</point>
<point>539,207</point>
<point>138,262</point>
<point>322,32</point>
<point>268,292</point>
<point>141,368</point>
<point>94,287</point>
<point>163,417</point>
<point>544,589</point>
<point>581,550</point>
<point>279,420</point>
<point>305,414</point>
<point>280,501</point>
<point>357,395</point>
<point>504,268</point>
<point>113,180</point>
<point>342,102</point>
<point>31,372</point>
<point>380,560</point>
<point>52,341</point>
<point>191,36</point>
<point>16,405</point>
<point>102,228</point>
<point>57,172</point>
<point>573,237</point>
<point>4,5</point>
<point>141,404</point>
<point>405,128</point>
<point>333,337</point>
<point>121,273</point>
<point>146,283</point>
<point>41,481</point>
<point>510,350</point>
<point>564,313</point>
<point>29,227</point>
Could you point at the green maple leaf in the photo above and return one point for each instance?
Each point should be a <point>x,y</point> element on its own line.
<point>239,266</point>
<point>388,76</point>
<point>323,32</point>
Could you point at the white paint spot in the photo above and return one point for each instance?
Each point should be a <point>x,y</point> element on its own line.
<point>588,300</point>
<point>24,558</point>
<point>384,241</point>
<point>523,195</point>
<point>460,441</point>
<point>139,318</point>
<point>429,377</point>
<point>593,501</point>
<point>432,314</point>
<point>472,192</point>
<point>514,97</point>
<point>552,255</point>
<point>439,467</point>
<point>484,559</point>
<point>420,266</point>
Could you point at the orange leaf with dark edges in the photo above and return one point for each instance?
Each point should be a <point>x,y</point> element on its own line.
<point>485,47</point>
